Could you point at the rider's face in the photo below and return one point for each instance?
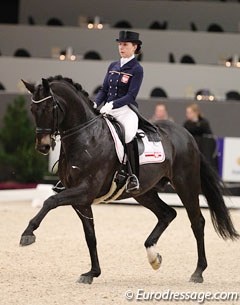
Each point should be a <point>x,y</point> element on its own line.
<point>126,49</point>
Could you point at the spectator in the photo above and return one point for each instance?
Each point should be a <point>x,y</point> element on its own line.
<point>196,124</point>
<point>200,128</point>
<point>160,113</point>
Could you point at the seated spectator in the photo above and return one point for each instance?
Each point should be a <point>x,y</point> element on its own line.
<point>160,113</point>
<point>200,129</point>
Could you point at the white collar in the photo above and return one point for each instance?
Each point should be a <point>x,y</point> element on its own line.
<point>123,61</point>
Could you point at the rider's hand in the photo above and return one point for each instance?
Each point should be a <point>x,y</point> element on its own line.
<point>107,108</point>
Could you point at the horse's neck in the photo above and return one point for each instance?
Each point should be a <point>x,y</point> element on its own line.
<point>77,112</point>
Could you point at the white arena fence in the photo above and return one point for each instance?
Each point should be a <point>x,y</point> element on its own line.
<point>36,197</point>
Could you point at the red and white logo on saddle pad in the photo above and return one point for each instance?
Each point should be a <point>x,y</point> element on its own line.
<point>153,151</point>
<point>153,155</point>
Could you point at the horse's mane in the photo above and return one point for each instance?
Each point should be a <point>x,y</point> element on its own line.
<point>77,86</point>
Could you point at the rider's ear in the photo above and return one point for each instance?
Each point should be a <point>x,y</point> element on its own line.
<point>45,85</point>
<point>30,87</point>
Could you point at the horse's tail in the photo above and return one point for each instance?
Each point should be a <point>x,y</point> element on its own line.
<point>213,189</point>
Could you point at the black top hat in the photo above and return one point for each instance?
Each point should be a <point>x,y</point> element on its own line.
<point>127,36</point>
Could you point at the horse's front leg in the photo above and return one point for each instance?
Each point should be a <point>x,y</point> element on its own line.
<point>28,237</point>
<point>67,197</point>
<point>86,216</point>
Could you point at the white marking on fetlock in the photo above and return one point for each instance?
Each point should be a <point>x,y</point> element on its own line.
<point>153,257</point>
<point>151,253</point>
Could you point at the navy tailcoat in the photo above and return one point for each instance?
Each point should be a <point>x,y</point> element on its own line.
<point>121,84</point>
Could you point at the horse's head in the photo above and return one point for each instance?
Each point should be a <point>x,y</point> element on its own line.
<point>46,111</point>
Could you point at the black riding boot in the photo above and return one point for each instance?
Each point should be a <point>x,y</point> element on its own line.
<point>132,184</point>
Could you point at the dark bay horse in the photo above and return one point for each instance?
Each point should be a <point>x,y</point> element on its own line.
<point>88,162</point>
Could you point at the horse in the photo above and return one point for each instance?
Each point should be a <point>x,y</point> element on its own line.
<point>88,163</point>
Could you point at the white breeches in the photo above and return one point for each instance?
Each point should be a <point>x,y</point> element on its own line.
<point>128,118</point>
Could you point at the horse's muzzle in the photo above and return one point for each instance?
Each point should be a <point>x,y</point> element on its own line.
<point>43,144</point>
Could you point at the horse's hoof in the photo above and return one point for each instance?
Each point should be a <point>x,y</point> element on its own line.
<point>196,279</point>
<point>27,240</point>
<point>85,279</point>
<point>157,262</point>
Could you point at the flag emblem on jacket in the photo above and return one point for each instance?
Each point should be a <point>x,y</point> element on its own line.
<point>125,79</point>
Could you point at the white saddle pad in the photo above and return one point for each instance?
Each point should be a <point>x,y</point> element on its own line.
<point>153,151</point>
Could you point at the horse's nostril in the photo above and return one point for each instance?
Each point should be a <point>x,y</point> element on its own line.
<point>44,149</point>
<point>47,147</point>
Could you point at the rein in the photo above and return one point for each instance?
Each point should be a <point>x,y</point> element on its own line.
<point>72,131</point>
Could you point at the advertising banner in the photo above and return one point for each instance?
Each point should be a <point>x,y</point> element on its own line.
<point>231,160</point>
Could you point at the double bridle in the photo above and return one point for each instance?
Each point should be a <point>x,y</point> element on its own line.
<point>56,107</point>
<point>55,130</point>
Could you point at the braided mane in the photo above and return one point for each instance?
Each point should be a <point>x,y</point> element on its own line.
<point>77,86</point>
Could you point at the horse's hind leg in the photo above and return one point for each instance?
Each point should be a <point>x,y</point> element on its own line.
<point>187,188</point>
<point>86,216</point>
<point>165,215</point>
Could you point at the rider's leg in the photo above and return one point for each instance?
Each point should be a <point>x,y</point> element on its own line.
<point>128,118</point>
<point>132,184</point>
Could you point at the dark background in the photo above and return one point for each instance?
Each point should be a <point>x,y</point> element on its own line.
<point>9,11</point>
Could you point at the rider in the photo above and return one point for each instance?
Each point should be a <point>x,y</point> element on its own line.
<point>119,91</point>
<point>120,88</point>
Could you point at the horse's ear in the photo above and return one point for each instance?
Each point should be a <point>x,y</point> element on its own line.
<point>30,87</point>
<point>45,84</point>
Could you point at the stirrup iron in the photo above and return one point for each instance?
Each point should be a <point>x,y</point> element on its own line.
<point>58,188</point>
<point>134,188</point>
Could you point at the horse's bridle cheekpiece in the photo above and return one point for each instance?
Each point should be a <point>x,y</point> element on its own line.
<point>56,106</point>
<point>55,130</point>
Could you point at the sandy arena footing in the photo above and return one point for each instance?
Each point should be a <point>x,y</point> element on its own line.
<point>46,272</point>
